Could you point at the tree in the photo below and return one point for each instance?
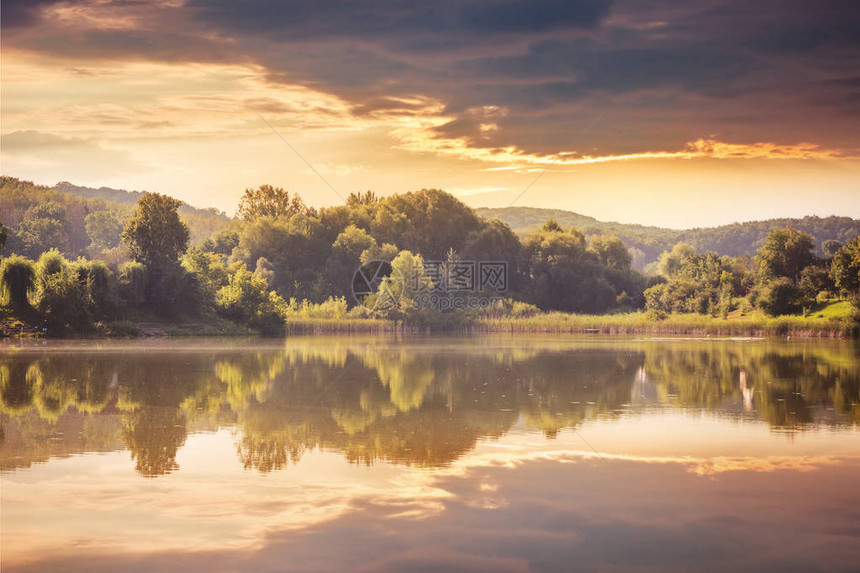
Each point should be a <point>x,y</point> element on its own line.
<point>495,241</point>
<point>778,297</point>
<point>295,247</point>
<point>406,292</point>
<point>4,236</point>
<point>104,228</point>
<point>62,297</point>
<point>345,259</point>
<point>427,222</point>
<point>222,243</point>
<point>246,299</point>
<point>671,262</point>
<point>785,253</point>
<point>564,276</point>
<point>44,227</point>
<point>611,252</point>
<point>845,267</point>
<point>17,281</point>
<point>155,236</point>
<point>132,283</point>
<point>268,201</point>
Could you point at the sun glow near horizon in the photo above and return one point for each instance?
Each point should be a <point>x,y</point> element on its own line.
<point>193,123</point>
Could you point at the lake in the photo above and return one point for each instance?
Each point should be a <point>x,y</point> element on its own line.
<point>484,453</point>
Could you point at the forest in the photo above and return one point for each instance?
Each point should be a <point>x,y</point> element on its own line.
<point>646,243</point>
<point>85,262</point>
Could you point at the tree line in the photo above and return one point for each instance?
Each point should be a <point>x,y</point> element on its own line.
<point>647,243</point>
<point>279,255</point>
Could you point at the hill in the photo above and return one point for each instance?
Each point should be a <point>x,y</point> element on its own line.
<point>737,239</point>
<point>21,200</point>
<point>131,197</point>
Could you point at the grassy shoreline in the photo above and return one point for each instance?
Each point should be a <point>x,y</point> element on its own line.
<point>676,324</point>
<point>756,324</point>
<point>621,324</point>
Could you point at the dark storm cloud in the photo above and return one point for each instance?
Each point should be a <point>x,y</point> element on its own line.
<point>396,19</point>
<point>15,13</point>
<point>665,68</point>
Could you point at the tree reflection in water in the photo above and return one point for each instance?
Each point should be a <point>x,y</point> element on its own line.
<point>416,401</point>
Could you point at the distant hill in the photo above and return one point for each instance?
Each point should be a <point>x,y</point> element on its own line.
<point>129,197</point>
<point>201,222</point>
<point>18,196</point>
<point>737,239</point>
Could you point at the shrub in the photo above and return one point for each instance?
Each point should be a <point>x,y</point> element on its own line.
<point>132,283</point>
<point>62,301</point>
<point>17,281</point>
<point>246,299</point>
<point>50,263</point>
<point>778,297</point>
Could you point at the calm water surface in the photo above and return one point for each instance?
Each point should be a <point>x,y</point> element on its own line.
<point>518,453</point>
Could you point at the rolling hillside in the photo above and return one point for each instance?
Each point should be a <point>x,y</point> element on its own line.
<point>737,239</point>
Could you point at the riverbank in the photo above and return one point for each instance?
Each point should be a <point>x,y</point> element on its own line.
<point>631,323</point>
<point>678,324</point>
<point>844,325</point>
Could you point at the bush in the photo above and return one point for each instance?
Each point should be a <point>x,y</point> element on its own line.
<point>62,301</point>
<point>50,263</point>
<point>778,297</point>
<point>171,290</point>
<point>246,299</point>
<point>17,281</point>
<point>132,283</point>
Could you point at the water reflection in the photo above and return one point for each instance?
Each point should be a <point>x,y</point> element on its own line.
<point>416,402</point>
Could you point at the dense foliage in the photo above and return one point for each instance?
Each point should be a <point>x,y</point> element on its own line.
<point>280,258</point>
<point>80,221</point>
<point>647,243</point>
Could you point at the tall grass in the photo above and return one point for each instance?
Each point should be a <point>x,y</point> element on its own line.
<point>333,315</point>
<point>675,324</point>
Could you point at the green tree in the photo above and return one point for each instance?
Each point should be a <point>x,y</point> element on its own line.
<point>564,275</point>
<point>44,227</point>
<point>17,281</point>
<point>345,259</point>
<point>611,252</point>
<point>779,296</point>
<point>246,299</point>
<point>4,236</point>
<point>495,241</point>
<point>132,283</point>
<point>268,201</point>
<point>295,247</point>
<point>155,236</point>
<point>404,294</point>
<point>62,296</point>
<point>671,262</point>
<point>104,228</point>
<point>845,267</point>
<point>427,222</point>
<point>785,253</point>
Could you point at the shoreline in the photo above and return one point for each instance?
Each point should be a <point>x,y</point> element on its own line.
<point>550,323</point>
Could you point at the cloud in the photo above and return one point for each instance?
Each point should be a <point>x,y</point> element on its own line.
<point>506,83</point>
<point>27,151</point>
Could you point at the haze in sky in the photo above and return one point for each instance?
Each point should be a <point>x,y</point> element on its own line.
<point>657,112</point>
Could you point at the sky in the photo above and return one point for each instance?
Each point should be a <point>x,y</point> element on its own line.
<point>659,112</point>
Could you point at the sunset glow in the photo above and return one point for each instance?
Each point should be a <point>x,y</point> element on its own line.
<point>637,113</point>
